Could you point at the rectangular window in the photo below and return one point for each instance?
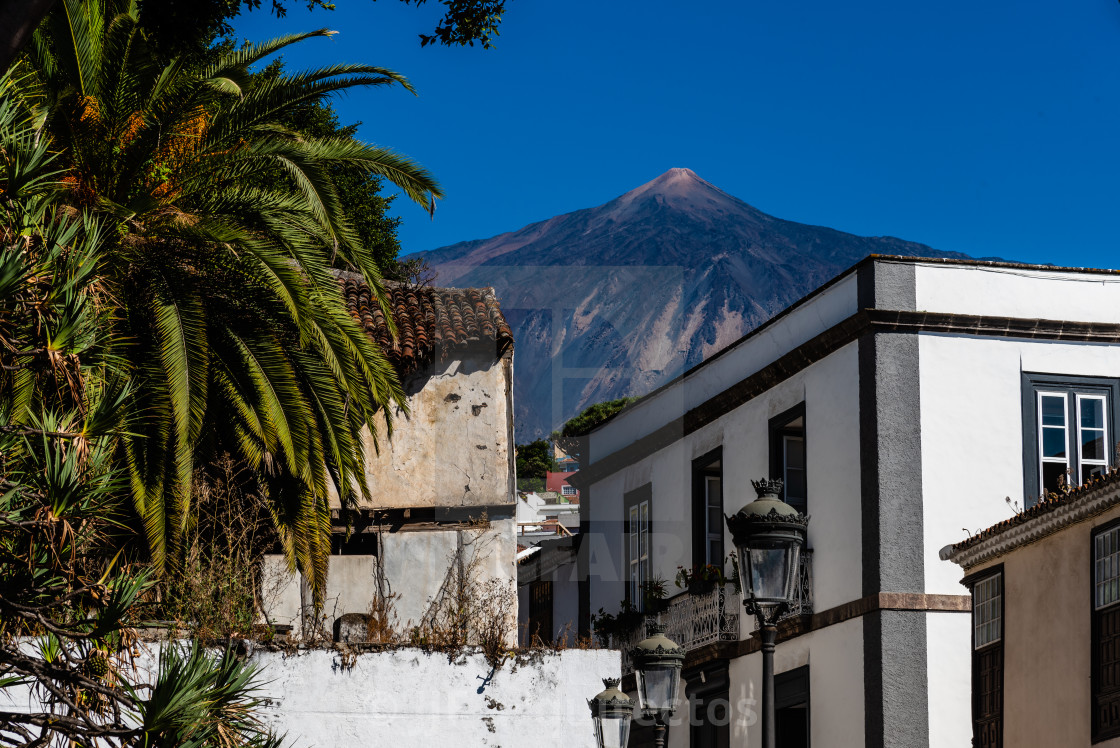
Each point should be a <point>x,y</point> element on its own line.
<point>567,490</point>
<point>1068,431</point>
<point>788,456</point>
<point>987,611</point>
<point>707,509</point>
<point>637,543</point>
<point>987,658</point>
<point>1106,633</point>
<point>791,708</point>
<point>1106,568</point>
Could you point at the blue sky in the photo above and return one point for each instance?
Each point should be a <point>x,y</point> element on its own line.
<point>991,128</point>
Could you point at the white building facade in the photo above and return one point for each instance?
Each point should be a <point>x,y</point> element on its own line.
<point>900,402</point>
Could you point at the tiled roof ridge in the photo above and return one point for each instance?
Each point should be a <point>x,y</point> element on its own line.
<point>431,321</point>
<point>1048,504</point>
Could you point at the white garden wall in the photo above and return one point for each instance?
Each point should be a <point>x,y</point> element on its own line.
<point>408,697</point>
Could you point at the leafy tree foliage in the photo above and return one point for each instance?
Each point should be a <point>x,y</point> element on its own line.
<point>534,459</point>
<point>177,25</point>
<point>572,436</point>
<point>225,310</point>
<point>359,190</point>
<point>68,593</point>
<point>183,27</point>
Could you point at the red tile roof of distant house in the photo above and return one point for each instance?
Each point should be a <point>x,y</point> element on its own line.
<point>431,323</point>
<point>557,481</point>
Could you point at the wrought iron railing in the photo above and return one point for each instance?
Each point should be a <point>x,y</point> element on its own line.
<point>803,602</point>
<point>694,620</point>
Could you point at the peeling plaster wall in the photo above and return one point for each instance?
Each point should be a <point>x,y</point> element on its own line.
<point>406,698</point>
<point>416,565</point>
<point>454,450</point>
<point>455,447</point>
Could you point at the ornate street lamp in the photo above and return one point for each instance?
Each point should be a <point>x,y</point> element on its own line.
<point>657,668</point>
<point>768,535</point>
<point>612,710</point>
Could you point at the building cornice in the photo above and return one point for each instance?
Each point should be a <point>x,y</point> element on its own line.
<point>1091,502</point>
<point>867,321</point>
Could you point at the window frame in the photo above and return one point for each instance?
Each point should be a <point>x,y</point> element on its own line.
<point>992,649</point>
<point>779,430</point>
<point>633,501</point>
<point>1097,615</point>
<point>566,490</point>
<point>702,472</point>
<point>1034,385</point>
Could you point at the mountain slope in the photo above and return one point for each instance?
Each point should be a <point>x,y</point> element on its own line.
<point>615,300</point>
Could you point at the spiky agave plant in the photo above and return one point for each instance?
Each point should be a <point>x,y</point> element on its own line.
<point>225,306</point>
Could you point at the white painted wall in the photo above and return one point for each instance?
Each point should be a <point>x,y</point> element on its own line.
<point>949,670</point>
<point>1015,292</point>
<point>829,389</point>
<point>835,659</point>
<point>972,431</point>
<point>407,697</point>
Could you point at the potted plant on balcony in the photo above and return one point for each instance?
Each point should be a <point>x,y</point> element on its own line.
<point>618,625</point>
<point>654,596</point>
<point>700,580</point>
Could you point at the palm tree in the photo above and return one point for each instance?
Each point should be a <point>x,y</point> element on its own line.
<point>225,306</point>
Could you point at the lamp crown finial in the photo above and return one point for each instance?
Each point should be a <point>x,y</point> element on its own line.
<point>611,682</point>
<point>768,487</point>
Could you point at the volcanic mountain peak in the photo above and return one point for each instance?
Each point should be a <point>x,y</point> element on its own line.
<point>617,299</point>
<point>681,188</point>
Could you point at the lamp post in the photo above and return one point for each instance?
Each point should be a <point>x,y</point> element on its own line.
<point>657,669</point>
<point>768,535</point>
<point>612,710</point>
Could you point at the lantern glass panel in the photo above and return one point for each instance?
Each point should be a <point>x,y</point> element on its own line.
<point>769,569</point>
<point>657,687</point>
<point>612,732</point>
<point>769,572</point>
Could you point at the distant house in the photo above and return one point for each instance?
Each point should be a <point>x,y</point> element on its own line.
<point>1045,589</point>
<point>565,463</point>
<point>558,483</point>
<point>444,498</point>
<point>900,402</point>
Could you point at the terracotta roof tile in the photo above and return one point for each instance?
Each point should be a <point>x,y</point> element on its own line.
<point>1045,505</point>
<point>431,322</point>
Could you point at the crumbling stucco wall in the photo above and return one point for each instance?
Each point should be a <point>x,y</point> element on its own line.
<point>455,448</point>
<point>416,566</point>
